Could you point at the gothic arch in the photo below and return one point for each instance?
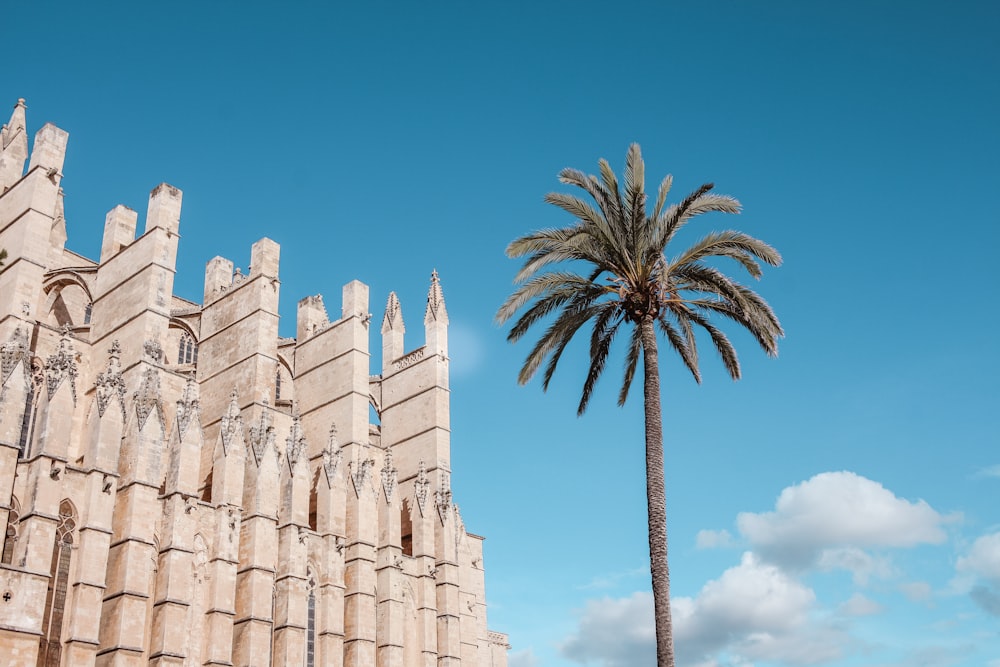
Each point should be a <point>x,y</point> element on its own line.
<point>68,298</point>
<point>50,643</point>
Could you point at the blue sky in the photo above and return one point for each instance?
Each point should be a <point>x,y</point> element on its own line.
<point>837,506</point>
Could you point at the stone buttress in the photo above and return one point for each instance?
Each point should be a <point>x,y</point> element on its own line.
<point>181,486</point>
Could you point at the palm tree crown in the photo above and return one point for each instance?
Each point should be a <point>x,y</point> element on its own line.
<point>628,279</point>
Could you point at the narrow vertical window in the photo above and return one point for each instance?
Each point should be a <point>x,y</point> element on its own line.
<point>50,643</point>
<point>311,620</point>
<point>13,519</point>
<point>87,312</point>
<point>277,386</point>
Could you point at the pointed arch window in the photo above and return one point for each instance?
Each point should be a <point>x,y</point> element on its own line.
<point>10,539</point>
<point>50,643</point>
<point>187,351</point>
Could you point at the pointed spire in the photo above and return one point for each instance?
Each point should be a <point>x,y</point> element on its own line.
<point>295,444</point>
<point>147,398</point>
<point>332,456</point>
<point>435,302</point>
<point>421,488</point>
<point>388,474</point>
<point>393,320</point>
<point>111,383</point>
<point>232,422</point>
<point>187,406</point>
<point>17,122</point>
<point>13,147</point>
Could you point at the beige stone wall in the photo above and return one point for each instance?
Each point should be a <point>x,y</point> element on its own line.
<point>210,518</point>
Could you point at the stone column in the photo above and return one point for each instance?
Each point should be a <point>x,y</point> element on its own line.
<point>389,568</point>
<point>136,513</point>
<point>174,590</point>
<point>293,524</point>
<point>258,547</point>
<point>229,461</point>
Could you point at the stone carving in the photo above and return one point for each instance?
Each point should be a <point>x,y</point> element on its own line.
<point>232,423</point>
<point>111,383</point>
<point>295,444</point>
<point>393,318</point>
<point>332,456</point>
<point>422,487</point>
<point>435,301</point>
<point>262,436</point>
<point>442,499</point>
<point>151,350</point>
<point>388,476</point>
<point>408,360</point>
<point>187,407</point>
<point>61,366</point>
<point>359,471</point>
<point>14,352</point>
<point>147,398</point>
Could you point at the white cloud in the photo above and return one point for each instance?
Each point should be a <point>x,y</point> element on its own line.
<point>713,539</point>
<point>754,611</point>
<point>862,565</point>
<point>859,605</point>
<point>838,510</point>
<point>983,559</point>
<point>983,562</point>
<point>614,632</point>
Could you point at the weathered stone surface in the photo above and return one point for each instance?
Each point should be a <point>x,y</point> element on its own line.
<point>199,491</point>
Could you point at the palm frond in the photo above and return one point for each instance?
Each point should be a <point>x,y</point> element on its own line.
<point>606,326</point>
<point>631,361</point>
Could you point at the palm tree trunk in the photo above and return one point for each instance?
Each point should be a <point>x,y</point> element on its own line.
<point>656,499</point>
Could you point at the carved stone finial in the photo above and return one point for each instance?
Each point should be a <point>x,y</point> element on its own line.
<point>232,422</point>
<point>295,444</point>
<point>332,457</point>
<point>421,488</point>
<point>393,319</point>
<point>389,475</point>
<point>359,471</point>
<point>436,311</point>
<point>442,498</point>
<point>187,406</point>
<point>151,350</point>
<point>62,366</point>
<point>111,384</point>
<point>262,436</point>
<point>147,398</point>
<point>14,352</point>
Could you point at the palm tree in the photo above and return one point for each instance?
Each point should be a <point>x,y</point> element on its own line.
<point>626,281</point>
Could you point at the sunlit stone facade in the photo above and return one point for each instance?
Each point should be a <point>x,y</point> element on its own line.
<point>181,486</point>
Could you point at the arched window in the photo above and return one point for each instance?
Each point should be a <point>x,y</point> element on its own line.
<point>50,643</point>
<point>87,312</point>
<point>13,521</point>
<point>311,618</point>
<point>187,351</point>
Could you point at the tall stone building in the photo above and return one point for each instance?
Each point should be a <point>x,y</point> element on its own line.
<point>182,486</point>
